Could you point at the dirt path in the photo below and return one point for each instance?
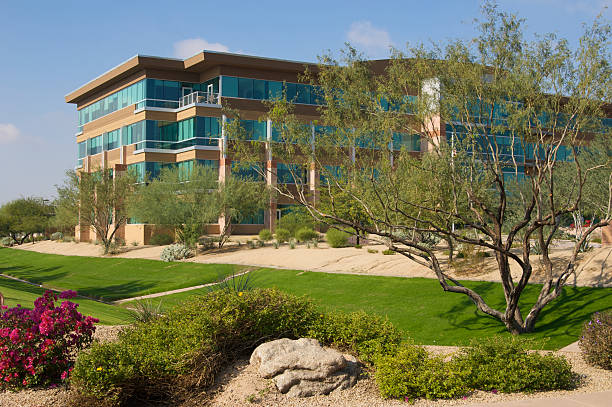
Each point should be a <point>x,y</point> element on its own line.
<point>594,268</point>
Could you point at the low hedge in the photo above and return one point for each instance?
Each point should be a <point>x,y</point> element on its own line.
<point>497,364</point>
<point>179,354</point>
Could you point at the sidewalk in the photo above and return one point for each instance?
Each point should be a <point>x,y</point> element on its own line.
<point>600,399</point>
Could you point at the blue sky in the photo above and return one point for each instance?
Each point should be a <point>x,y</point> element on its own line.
<point>51,48</point>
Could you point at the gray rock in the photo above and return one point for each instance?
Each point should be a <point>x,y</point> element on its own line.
<point>304,368</point>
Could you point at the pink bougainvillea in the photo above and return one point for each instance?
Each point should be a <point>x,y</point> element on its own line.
<point>38,346</point>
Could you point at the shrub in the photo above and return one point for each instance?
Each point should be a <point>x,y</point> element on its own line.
<point>182,351</point>
<point>388,252</point>
<point>596,340</point>
<point>412,373</point>
<point>57,236</point>
<point>373,251</point>
<point>38,345</point>
<point>336,238</point>
<point>358,246</point>
<point>296,220</point>
<point>161,239</point>
<point>265,235</point>
<point>179,354</point>
<point>506,365</point>
<point>305,234</point>
<point>282,235</point>
<point>175,252</point>
<point>365,334</point>
<point>208,242</point>
<point>134,243</point>
<point>7,241</point>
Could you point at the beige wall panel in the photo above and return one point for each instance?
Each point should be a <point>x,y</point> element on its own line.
<point>207,154</point>
<point>185,156</point>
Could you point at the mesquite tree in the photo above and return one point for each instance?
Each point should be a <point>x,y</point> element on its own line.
<point>100,200</point>
<point>499,119</point>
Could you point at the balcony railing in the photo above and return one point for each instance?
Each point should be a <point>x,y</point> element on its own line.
<point>178,145</point>
<point>208,98</point>
<point>157,103</point>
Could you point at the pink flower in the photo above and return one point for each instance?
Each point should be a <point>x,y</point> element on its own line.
<point>64,375</point>
<point>14,335</point>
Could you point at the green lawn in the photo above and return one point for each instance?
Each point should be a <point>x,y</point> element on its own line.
<point>20,293</point>
<point>425,312</point>
<point>108,278</point>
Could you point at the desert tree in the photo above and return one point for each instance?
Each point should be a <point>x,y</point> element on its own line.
<point>499,118</point>
<point>100,199</point>
<point>23,217</point>
<point>184,199</point>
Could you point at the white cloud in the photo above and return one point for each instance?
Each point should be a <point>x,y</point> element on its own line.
<point>8,133</point>
<point>191,46</point>
<point>374,41</point>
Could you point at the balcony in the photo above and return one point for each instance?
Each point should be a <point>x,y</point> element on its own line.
<point>205,143</point>
<point>200,98</point>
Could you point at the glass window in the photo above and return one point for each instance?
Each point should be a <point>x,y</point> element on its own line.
<point>82,149</point>
<point>259,89</point>
<point>302,93</point>
<point>291,91</point>
<point>275,90</point>
<point>230,86</point>
<point>256,219</point>
<point>245,88</point>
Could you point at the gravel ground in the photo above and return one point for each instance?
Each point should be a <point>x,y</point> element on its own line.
<point>240,385</point>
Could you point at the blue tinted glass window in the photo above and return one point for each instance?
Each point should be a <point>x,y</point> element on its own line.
<point>302,93</point>
<point>291,91</point>
<point>275,90</point>
<point>82,149</point>
<point>230,86</point>
<point>245,88</point>
<point>259,89</point>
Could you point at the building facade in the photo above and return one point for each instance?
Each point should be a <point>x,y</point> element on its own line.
<point>150,112</point>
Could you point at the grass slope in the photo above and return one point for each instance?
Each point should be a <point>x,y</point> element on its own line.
<point>108,278</point>
<point>424,311</point>
<point>20,293</point>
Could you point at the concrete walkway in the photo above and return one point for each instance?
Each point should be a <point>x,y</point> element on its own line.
<point>600,399</point>
<point>182,290</point>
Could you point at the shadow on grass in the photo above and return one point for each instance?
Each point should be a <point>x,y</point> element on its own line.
<point>118,291</point>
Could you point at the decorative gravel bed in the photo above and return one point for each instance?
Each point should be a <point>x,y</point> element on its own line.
<point>240,385</point>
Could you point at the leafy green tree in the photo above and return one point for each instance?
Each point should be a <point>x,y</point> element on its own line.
<point>66,205</point>
<point>23,217</point>
<point>99,199</point>
<point>237,200</point>
<point>186,201</point>
<point>497,115</point>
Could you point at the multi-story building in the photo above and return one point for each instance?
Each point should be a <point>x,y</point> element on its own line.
<point>151,112</point>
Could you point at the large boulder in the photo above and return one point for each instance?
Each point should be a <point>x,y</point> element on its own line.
<point>304,368</point>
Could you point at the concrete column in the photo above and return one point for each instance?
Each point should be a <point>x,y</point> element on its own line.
<point>223,137</point>
<point>271,181</point>
<point>225,170</point>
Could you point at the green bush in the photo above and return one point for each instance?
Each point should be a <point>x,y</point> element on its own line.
<point>178,354</point>
<point>412,373</point>
<point>282,235</point>
<point>306,234</point>
<point>336,238</point>
<point>182,351</point>
<point>373,251</point>
<point>365,334</point>
<point>57,236</point>
<point>7,241</point>
<point>388,252</point>
<point>265,235</point>
<point>161,239</point>
<point>505,364</point>
<point>596,340</point>
<point>296,220</point>
<point>175,252</point>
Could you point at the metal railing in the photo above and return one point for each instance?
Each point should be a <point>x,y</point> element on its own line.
<point>198,97</point>
<point>178,145</point>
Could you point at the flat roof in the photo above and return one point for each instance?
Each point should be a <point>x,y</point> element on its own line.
<point>199,62</point>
